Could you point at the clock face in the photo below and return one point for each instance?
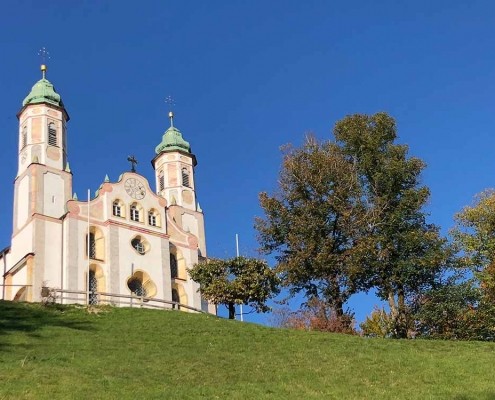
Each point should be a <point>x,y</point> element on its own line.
<point>135,188</point>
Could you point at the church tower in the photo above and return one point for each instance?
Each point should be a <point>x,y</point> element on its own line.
<point>174,169</point>
<point>42,154</point>
<point>174,172</point>
<point>43,184</point>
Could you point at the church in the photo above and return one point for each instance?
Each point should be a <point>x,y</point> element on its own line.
<point>130,243</point>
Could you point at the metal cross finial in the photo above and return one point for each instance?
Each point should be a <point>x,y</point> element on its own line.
<point>45,56</point>
<point>171,102</point>
<point>133,162</point>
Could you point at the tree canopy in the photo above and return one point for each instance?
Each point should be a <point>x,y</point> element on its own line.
<point>474,235</point>
<point>237,280</point>
<point>407,254</point>
<point>349,215</point>
<point>314,223</point>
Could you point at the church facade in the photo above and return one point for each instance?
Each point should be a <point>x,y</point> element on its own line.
<point>132,240</point>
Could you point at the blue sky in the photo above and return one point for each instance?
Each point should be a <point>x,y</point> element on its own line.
<point>247,77</point>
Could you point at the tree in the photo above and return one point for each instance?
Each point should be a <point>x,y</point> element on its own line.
<point>348,216</point>
<point>474,235</point>
<point>314,223</point>
<point>407,255</point>
<point>236,280</point>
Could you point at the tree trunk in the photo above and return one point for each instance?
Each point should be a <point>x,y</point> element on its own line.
<point>339,307</point>
<point>401,316</point>
<point>398,313</point>
<point>336,297</point>
<point>392,304</point>
<point>231,311</point>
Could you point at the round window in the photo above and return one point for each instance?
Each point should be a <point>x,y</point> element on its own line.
<point>140,245</point>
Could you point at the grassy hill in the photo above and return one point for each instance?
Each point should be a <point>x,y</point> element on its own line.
<point>68,353</point>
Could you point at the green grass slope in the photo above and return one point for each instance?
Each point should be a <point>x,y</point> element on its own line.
<point>68,353</point>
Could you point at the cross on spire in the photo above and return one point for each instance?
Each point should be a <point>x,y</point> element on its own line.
<point>133,162</point>
<point>44,54</point>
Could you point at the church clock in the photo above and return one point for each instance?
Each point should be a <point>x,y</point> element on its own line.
<point>135,188</point>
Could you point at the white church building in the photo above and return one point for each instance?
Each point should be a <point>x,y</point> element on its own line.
<point>133,240</point>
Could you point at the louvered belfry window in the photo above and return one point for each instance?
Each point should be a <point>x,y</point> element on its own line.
<point>24,137</point>
<point>185,177</point>
<point>161,181</point>
<point>52,134</point>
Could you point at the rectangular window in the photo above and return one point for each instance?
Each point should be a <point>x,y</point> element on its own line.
<point>117,210</point>
<point>152,219</point>
<point>134,214</point>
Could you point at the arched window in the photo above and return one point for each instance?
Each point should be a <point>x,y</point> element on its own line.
<point>178,295</point>
<point>52,134</point>
<point>118,208</point>
<point>140,284</point>
<point>93,288</point>
<point>153,217</point>
<point>136,287</point>
<point>21,294</point>
<point>136,214</point>
<point>178,265</point>
<point>161,181</point>
<point>175,298</point>
<point>96,250</point>
<point>96,282</point>
<point>174,270</point>
<point>24,137</point>
<point>185,177</point>
<point>92,245</point>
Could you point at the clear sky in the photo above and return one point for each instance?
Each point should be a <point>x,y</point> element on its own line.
<point>247,77</point>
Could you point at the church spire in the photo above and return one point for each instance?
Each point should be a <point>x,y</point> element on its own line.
<point>43,91</point>
<point>172,139</point>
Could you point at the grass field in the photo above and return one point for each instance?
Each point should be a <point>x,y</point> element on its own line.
<point>68,353</point>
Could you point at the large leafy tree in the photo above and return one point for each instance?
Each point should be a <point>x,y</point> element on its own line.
<point>314,223</point>
<point>349,215</point>
<point>408,255</point>
<point>237,280</point>
<point>474,235</point>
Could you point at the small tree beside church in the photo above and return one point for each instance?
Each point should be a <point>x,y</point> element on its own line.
<point>237,280</point>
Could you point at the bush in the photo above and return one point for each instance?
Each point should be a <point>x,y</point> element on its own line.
<point>316,315</point>
<point>455,311</point>
<point>378,324</point>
